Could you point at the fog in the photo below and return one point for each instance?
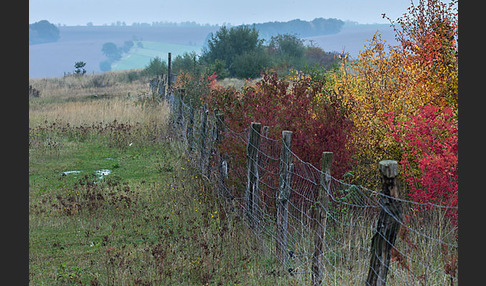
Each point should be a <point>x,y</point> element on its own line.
<point>99,12</point>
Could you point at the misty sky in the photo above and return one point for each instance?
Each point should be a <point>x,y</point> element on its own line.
<point>99,12</point>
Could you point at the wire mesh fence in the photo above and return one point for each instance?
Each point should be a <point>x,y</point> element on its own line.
<point>319,228</point>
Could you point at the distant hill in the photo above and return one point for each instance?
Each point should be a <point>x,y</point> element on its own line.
<point>84,43</point>
<point>353,37</point>
<point>316,27</point>
<point>43,32</point>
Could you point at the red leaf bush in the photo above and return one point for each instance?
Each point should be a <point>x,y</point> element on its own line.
<point>429,145</point>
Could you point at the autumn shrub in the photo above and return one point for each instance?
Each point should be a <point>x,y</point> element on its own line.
<point>196,86</point>
<point>429,145</point>
<point>421,70</point>
<point>317,118</point>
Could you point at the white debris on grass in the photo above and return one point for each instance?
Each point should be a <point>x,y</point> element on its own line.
<point>70,172</point>
<point>103,172</point>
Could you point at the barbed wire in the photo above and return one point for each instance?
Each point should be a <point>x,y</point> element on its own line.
<point>422,254</point>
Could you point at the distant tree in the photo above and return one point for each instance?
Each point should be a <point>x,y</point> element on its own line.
<point>43,32</point>
<point>187,62</point>
<point>228,44</point>
<point>287,45</point>
<point>287,51</point>
<point>155,67</point>
<point>127,45</point>
<point>250,64</point>
<point>219,68</point>
<point>111,51</point>
<point>79,68</point>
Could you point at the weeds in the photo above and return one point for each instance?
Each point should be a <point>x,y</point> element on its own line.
<point>152,221</point>
<point>68,275</point>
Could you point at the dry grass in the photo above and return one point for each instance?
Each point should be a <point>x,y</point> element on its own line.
<point>72,87</point>
<point>237,83</point>
<point>91,99</point>
<point>79,113</point>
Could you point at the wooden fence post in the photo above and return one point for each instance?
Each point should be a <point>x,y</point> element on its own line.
<point>180,108</point>
<point>190,127</point>
<point>222,165</point>
<point>284,195</point>
<point>203,137</point>
<point>252,172</point>
<point>321,218</point>
<point>386,229</point>
<point>169,71</point>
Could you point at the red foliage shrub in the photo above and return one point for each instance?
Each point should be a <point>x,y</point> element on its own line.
<point>317,118</point>
<point>429,145</point>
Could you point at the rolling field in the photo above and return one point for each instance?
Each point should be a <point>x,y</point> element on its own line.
<point>83,43</point>
<point>140,57</point>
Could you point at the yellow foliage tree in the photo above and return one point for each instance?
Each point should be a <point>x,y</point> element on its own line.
<point>421,70</point>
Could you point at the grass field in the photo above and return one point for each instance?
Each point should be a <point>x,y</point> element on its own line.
<point>84,43</point>
<point>139,57</point>
<point>113,199</point>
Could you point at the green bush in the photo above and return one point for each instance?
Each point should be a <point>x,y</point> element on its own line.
<point>250,64</point>
<point>156,67</point>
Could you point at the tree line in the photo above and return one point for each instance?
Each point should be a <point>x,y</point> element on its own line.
<point>316,27</point>
<point>240,52</point>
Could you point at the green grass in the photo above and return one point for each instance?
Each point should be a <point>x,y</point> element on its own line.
<point>140,57</point>
<point>151,221</point>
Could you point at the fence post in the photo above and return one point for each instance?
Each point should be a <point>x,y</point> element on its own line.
<point>284,195</point>
<point>252,171</point>
<point>180,108</point>
<point>169,71</point>
<point>321,218</point>
<point>387,226</point>
<point>261,159</point>
<point>203,136</point>
<point>190,127</point>
<point>222,165</point>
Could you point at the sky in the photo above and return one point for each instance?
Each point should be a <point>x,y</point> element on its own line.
<point>100,12</point>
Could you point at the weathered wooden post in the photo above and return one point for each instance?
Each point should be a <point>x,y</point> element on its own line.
<point>190,127</point>
<point>386,229</point>
<point>180,108</point>
<point>222,165</point>
<point>251,193</point>
<point>169,71</point>
<point>284,195</point>
<point>321,218</point>
<point>202,136</point>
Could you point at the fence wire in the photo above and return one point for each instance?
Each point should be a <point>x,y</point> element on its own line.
<point>424,253</point>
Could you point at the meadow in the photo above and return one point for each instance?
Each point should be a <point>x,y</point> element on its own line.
<point>113,199</point>
<point>139,57</point>
<point>84,43</point>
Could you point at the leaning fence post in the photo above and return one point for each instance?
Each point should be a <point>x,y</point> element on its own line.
<point>321,218</point>
<point>284,195</point>
<point>252,172</point>
<point>387,226</point>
